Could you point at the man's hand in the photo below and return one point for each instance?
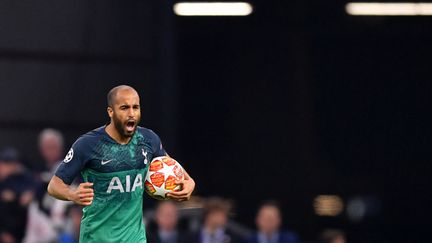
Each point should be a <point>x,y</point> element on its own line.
<point>83,194</point>
<point>187,185</point>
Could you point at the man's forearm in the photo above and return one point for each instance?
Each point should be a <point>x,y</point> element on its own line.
<point>58,189</point>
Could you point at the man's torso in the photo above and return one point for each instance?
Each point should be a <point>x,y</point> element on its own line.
<point>117,172</point>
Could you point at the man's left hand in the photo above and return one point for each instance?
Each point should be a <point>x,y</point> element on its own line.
<point>187,185</point>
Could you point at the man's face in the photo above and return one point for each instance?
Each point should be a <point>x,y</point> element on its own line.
<point>216,219</point>
<point>7,168</point>
<point>126,112</point>
<point>268,219</point>
<point>51,149</point>
<point>166,216</point>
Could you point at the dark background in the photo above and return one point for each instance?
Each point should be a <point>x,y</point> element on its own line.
<point>294,101</point>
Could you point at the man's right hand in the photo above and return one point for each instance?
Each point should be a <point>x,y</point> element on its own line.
<point>83,194</point>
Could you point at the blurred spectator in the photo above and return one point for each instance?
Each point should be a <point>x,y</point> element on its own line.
<point>332,236</point>
<point>166,218</point>
<point>268,221</point>
<point>16,193</point>
<point>46,214</point>
<point>216,211</point>
<point>51,149</point>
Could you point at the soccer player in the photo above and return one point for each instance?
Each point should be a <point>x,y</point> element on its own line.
<point>112,160</point>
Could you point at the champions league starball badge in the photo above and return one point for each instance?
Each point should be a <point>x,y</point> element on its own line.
<point>69,156</point>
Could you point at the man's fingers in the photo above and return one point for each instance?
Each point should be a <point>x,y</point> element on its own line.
<point>87,203</point>
<point>88,190</point>
<point>177,194</point>
<point>187,186</point>
<point>88,195</point>
<point>183,191</point>
<point>86,185</point>
<point>83,195</point>
<point>86,199</point>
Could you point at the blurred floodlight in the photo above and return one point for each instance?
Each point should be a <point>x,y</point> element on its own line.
<point>389,9</point>
<point>328,205</point>
<point>213,8</point>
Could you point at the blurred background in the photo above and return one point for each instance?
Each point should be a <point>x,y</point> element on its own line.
<point>299,102</point>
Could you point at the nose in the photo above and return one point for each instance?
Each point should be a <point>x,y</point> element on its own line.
<point>131,113</point>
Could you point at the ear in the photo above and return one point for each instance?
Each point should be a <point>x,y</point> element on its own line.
<point>110,112</point>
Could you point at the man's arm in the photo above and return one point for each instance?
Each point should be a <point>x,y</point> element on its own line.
<point>188,185</point>
<point>81,195</point>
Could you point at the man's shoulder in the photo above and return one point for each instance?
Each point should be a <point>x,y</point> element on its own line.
<point>151,138</point>
<point>90,137</point>
<point>147,133</point>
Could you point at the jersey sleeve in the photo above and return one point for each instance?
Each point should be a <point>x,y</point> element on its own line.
<point>157,145</point>
<point>73,162</point>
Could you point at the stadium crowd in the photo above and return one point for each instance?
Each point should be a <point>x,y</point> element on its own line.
<point>30,215</point>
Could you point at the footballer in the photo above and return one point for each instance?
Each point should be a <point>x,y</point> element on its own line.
<point>113,160</point>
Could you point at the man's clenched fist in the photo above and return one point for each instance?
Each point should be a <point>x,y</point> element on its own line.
<point>83,194</point>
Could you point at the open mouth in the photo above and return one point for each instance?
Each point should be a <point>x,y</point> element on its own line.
<point>130,126</point>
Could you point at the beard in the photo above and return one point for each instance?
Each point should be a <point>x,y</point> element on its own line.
<point>121,127</point>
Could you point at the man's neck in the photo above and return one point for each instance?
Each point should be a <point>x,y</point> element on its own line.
<point>114,134</point>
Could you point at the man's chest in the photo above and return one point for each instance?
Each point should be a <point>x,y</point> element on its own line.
<point>112,158</point>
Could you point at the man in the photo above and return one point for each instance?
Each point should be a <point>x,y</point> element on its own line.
<point>50,143</point>
<point>166,218</point>
<point>268,221</point>
<point>214,229</point>
<point>112,160</point>
<point>46,214</point>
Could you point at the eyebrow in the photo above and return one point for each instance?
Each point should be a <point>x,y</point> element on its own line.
<point>122,105</point>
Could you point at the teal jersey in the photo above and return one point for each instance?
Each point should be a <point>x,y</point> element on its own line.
<point>117,172</point>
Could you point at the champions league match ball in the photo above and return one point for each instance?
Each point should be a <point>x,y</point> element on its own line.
<point>161,176</point>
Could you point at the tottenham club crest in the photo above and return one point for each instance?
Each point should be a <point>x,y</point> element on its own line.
<point>144,153</point>
<point>69,156</point>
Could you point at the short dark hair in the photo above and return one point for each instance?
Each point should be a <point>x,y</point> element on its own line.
<point>270,203</point>
<point>113,92</point>
<point>217,204</point>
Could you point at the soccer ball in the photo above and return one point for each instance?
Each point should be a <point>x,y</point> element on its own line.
<point>161,176</point>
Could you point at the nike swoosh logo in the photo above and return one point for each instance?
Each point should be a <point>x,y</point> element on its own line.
<point>105,162</point>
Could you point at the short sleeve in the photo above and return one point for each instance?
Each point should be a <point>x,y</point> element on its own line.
<point>157,145</point>
<point>73,162</point>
